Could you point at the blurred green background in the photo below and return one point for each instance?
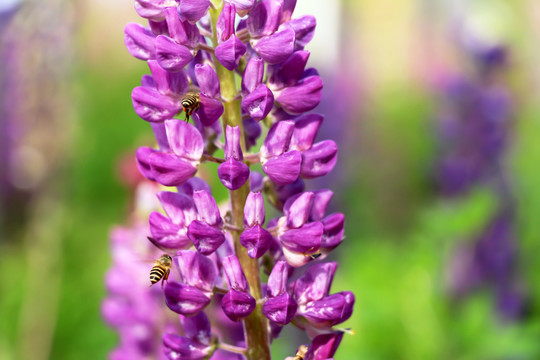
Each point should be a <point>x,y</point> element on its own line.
<point>54,249</point>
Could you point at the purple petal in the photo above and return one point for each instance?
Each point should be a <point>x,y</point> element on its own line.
<point>192,10</point>
<point>197,328</point>
<point>278,139</point>
<point>277,281</point>
<point>254,209</point>
<point>206,238</point>
<point>161,136</point>
<point>315,283</point>
<point>167,83</point>
<point>232,143</point>
<point>306,239</point>
<point>234,275</point>
<point>229,52</point>
<point>192,185</point>
<point>233,174</point>
<point>207,208</point>
<point>170,55</point>
<point>258,103</point>
<point>225,22</point>
<point>304,29</point>
<point>150,105</point>
<point>208,80</point>
<point>243,6</point>
<point>210,110</point>
<point>302,97</point>
<point>291,71</point>
<point>287,10</point>
<point>280,309</point>
<point>319,160</point>
<point>256,181</point>
<point>196,270</point>
<point>237,304</point>
<point>179,347</point>
<point>139,41</point>
<point>167,234</point>
<point>253,74</point>
<point>330,311</point>
<point>151,9</point>
<point>284,192</point>
<point>143,161</point>
<point>264,19</point>
<point>298,208</point>
<point>170,170</point>
<point>185,140</point>
<point>285,168</point>
<point>320,204</point>
<point>178,207</point>
<point>276,48</point>
<point>256,240</point>
<point>333,230</point>
<point>181,31</point>
<point>324,346</point>
<point>185,299</point>
<point>305,131</point>
<point>158,27</point>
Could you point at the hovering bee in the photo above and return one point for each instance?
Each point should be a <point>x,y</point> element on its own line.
<point>301,353</point>
<point>191,102</point>
<point>161,269</point>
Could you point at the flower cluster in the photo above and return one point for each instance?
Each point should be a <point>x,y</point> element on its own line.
<point>198,52</point>
<point>474,132</point>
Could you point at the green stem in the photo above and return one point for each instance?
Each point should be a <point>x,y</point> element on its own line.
<point>256,324</point>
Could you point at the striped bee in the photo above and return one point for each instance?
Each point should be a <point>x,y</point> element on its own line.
<point>301,353</point>
<point>161,269</point>
<point>191,102</point>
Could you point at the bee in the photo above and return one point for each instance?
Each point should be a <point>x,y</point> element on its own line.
<point>301,353</point>
<point>191,102</point>
<point>314,255</point>
<point>161,269</point>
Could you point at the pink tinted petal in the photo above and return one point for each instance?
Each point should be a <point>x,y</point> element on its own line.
<point>206,238</point>
<point>181,31</point>
<point>243,6</point>
<point>210,110</point>
<point>277,281</point>
<point>207,207</point>
<point>315,283</point>
<point>306,239</point>
<point>225,22</point>
<point>304,29</point>
<point>233,174</point>
<point>278,139</point>
<point>264,19</point>
<point>253,74</point>
<point>276,48</point>
<point>285,168</point>
<point>196,270</point>
<point>320,204</point>
<point>237,304</point>
<point>139,41</point>
<point>302,97</point>
<point>305,130</point>
<point>319,160</point>
<point>256,240</point>
<point>178,207</point>
<point>185,140</point>
<point>192,185</point>
<point>229,52</point>
<point>197,328</point>
<point>180,347</point>
<point>170,170</point>
<point>297,211</point>
<point>192,10</point>
<point>258,103</point>
<point>174,84</point>
<point>170,55</point>
<point>288,8</point>
<point>208,80</point>
<point>143,161</point>
<point>185,299</point>
<point>152,106</point>
<point>161,136</point>
<point>234,275</point>
<point>232,143</point>
<point>254,209</point>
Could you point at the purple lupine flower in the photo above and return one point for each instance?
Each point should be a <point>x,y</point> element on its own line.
<point>201,49</point>
<point>474,129</point>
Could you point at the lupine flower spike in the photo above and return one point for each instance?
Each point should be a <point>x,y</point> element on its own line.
<point>234,67</point>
